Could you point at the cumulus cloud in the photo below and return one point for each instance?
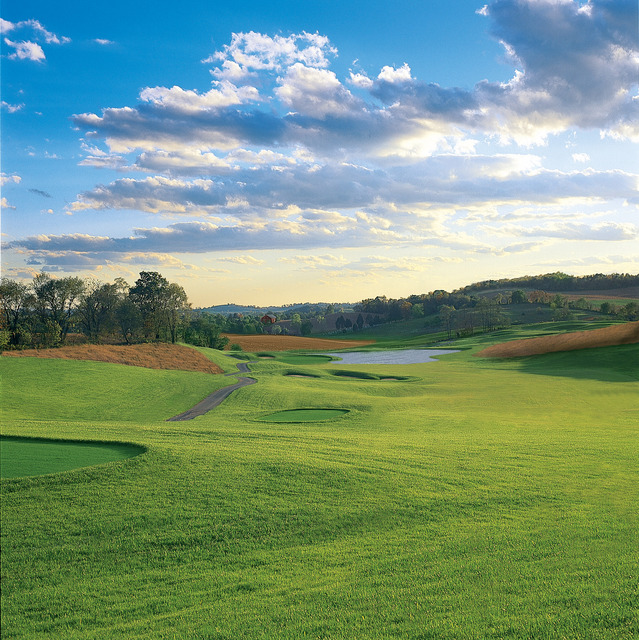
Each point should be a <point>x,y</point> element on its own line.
<point>278,151</point>
<point>5,179</point>
<point>30,49</point>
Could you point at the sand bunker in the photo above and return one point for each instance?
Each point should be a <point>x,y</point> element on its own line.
<point>627,333</point>
<point>151,356</point>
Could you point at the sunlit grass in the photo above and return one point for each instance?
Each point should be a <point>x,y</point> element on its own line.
<point>475,499</point>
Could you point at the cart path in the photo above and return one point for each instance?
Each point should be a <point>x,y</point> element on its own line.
<point>214,399</point>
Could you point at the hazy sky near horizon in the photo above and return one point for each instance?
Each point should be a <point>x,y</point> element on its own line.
<point>270,153</point>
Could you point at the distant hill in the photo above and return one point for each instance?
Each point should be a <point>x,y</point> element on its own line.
<point>557,281</point>
<point>305,309</point>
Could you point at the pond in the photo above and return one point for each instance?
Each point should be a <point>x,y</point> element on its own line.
<point>398,356</point>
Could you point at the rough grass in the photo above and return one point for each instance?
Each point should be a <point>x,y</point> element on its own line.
<point>151,356</point>
<point>265,342</point>
<point>627,333</point>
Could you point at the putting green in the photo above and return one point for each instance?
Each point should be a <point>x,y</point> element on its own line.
<point>35,457</point>
<point>304,415</point>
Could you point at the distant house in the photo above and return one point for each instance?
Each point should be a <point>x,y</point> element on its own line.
<point>268,318</point>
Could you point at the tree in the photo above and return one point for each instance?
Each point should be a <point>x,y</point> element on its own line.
<point>148,294</point>
<point>306,327</point>
<point>128,319</point>
<point>630,311</point>
<point>56,301</point>
<point>518,297</point>
<point>447,315</point>
<point>15,300</point>
<point>97,307</point>
<point>175,304</point>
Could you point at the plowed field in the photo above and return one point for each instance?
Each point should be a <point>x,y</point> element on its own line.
<point>151,356</point>
<point>627,333</point>
<point>264,342</point>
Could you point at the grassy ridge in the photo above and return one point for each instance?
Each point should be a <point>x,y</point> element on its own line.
<point>475,499</point>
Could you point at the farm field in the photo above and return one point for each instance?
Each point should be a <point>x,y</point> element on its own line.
<point>467,498</point>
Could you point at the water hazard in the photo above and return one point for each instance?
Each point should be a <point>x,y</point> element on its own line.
<point>403,356</point>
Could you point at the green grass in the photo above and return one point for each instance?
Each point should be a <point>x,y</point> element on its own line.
<point>298,358</point>
<point>476,499</point>
<point>34,456</point>
<point>304,415</point>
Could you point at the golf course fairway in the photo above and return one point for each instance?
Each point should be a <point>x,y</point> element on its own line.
<point>467,498</point>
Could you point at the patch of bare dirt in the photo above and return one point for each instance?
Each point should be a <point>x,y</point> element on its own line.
<point>265,342</point>
<point>627,333</point>
<point>151,356</point>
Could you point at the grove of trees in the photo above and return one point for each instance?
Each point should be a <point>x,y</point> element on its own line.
<point>45,312</point>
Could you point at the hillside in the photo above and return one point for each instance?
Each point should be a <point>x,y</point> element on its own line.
<point>627,333</point>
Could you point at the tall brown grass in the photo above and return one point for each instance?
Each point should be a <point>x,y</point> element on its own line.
<point>627,333</point>
<point>151,356</point>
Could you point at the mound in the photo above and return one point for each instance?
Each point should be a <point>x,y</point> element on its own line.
<point>264,342</point>
<point>627,333</point>
<point>151,356</point>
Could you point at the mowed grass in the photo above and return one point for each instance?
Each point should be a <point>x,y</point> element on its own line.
<point>304,415</point>
<point>37,456</point>
<point>476,499</point>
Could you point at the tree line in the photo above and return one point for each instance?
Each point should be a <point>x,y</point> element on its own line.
<point>557,281</point>
<point>46,311</point>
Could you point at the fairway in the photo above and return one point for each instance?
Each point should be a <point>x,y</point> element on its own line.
<point>304,415</point>
<point>34,457</point>
<point>467,498</point>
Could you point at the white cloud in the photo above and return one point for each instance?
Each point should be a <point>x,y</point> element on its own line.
<point>249,260</point>
<point>580,157</point>
<point>30,49</point>
<point>12,108</point>
<point>4,178</point>
<point>25,50</point>
<point>4,204</point>
<point>393,75</point>
<point>314,92</point>
<point>103,42</point>
<point>256,51</point>
<point>177,99</point>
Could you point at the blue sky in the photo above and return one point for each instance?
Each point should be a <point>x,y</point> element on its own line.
<point>269,153</point>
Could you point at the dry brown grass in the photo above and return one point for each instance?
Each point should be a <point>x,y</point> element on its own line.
<point>151,356</point>
<point>264,342</point>
<point>627,333</point>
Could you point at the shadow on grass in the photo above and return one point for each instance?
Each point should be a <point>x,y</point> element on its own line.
<point>608,364</point>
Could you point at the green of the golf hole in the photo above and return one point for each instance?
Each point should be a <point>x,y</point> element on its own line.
<point>34,457</point>
<point>304,415</point>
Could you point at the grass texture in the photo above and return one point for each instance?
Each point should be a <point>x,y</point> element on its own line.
<point>34,456</point>
<point>467,498</point>
<point>304,415</point>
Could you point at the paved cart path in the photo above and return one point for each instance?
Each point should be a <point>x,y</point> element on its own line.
<point>214,399</point>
